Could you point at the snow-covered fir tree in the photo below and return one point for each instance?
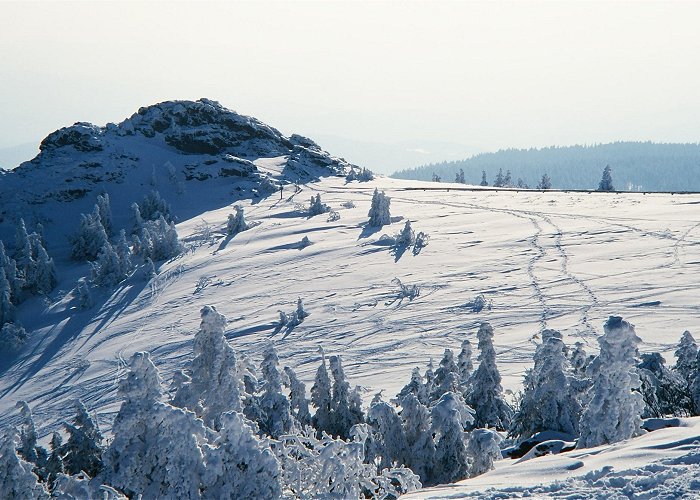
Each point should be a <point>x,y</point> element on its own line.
<point>345,407</point>
<point>159,240</point>
<point>300,313</point>
<point>507,179</point>
<point>156,450</point>
<point>213,386</point>
<point>498,181</point>
<point>389,444</point>
<point>446,377</point>
<point>379,212</point>
<point>82,450</point>
<point>7,308</point>
<point>548,403</point>
<point>420,447</point>
<point>54,464</point>
<point>105,211</point>
<point>485,394</point>
<point>107,269</point>
<point>483,182</point>
<point>238,464</point>
<point>415,387</point>
<point>28,449</point>
<point>695,387</point>
<point>613,413</point>
<point>277,417</point>
<point>459,176</point>
<point>321,398</point>
<point>135,218</point>
<point>465,365</point>
<point>545,182</point>
<point>664,391</point>
<point>452,461</point>
<point>90,238</point>
<point>606,183</point>
<point>17,481</point>
<point>236,221</point>
<point>578,359</point>
<point>153,207</point>
<point>44,273</point>
<point>298,402</point>
<point>686,357</point>
<point>9,265</point>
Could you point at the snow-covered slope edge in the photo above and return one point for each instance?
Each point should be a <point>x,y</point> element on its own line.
<point>661,464</point>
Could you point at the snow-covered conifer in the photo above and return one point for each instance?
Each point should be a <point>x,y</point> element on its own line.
<point>236,222</point>
<point>464,364</point>
<point>548,403</point>
<point>389,437</point>
<point>613,414</point>
<point>485,392</point>
<point>28,449</point>
<point>156,450</point>
<point>420,447</point>
<point>136,219</point>
<point>429,380</point>
<point>215,386</point>
<point>686,357</point>
<point>54,464</point>
<point>10,267</point>
<point>344,409</point>
<point>123,253</point>
<point>105,211</point>
<point>415,387</point>
<point>482,447</point>
<point>483,182</point>
<point>83,294</point>
<point>23,249</point>
<point>606,183</point>
<point>695,387</point>
<point>321,398</point>
<point>153,207</point>
<point>277,417</point>
<point>45,272</point>
<point>298,402</point>
<point>664,391</point>
<point>159,240</point>
<point>17,481</point>
<point>239,465</point>
<point>7,308</point>
<point>82,451</point>
<point>12,337</point>
<point>90,238</point>
<point>446,377</point>
<point>545,182</point>
<point>379,213</point>
<point>459,176</point>
<point>107,269</point>
<point>451,462</point>
<point>507,179</point>
<point>579,359</point>
<point>498,181</point>
<point>301,313</point>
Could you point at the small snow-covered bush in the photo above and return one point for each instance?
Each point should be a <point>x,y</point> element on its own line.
<point>317,207</point>
<point>407,237</point>
<point>12,337</point>
<point>409,292</point>
<point>357,174</point>
<point>236,222</point>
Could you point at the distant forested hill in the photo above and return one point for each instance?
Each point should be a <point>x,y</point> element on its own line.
<point>635,166</point>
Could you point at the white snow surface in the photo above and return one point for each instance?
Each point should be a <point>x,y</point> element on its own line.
<point>558,260</point>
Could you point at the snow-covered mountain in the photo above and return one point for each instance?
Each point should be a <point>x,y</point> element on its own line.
<point>523,261</point>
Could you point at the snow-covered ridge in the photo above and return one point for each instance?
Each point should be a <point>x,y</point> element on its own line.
<point>174,147</point>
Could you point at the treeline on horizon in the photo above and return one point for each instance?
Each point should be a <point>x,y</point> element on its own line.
<point>636,166</point>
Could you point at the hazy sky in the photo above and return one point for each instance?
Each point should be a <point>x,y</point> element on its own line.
<point>483,74</point>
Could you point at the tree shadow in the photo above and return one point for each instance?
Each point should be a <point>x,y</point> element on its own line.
<point>368,230</point>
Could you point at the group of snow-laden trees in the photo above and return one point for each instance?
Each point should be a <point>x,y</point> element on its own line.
<point>151,237</point>
<point>223,429</point>
<point>25,269</point>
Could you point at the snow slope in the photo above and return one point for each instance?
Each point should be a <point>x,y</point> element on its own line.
<point>555,259</point>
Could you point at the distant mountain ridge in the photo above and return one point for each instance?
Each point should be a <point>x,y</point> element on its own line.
<point>635,166</point>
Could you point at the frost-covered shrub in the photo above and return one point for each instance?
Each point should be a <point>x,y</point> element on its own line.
<point>485,392</point>
<point>379,214</point>
<point>479,303</point>
<point>409,292</point>
<point>317,207</point>
<point>482,447</point>
<point>613,413</point>
<point>236,222</point>
<point>12,337</point>
<point>407,237</point>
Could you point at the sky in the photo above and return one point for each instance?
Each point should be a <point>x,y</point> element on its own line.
<point>473,75</point>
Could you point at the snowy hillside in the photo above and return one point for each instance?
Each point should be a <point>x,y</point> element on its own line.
<point>564,261</point>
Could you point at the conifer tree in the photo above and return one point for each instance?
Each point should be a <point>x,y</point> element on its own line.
<point>451,458</point>
<point>379,212</point>
<point>482,447</point>
<point>105,212</point>
<point>464,364</point>
<point>298,402</point>
<point>343,404</point>
<point>277,417</point>
<point>485,392</point>
<point>82,451</point>
<point>686,357</point>
<point>606,183</point>
<point>10,267</point>
<point>321,398</point>
<point>613,413</point>
<point>415,387</point>
<point>17,481</point>
<point>484,182</point>
<point>54,464</point>
<point>236,222</point>
<point>419,439</point>
<point>389,437</point>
